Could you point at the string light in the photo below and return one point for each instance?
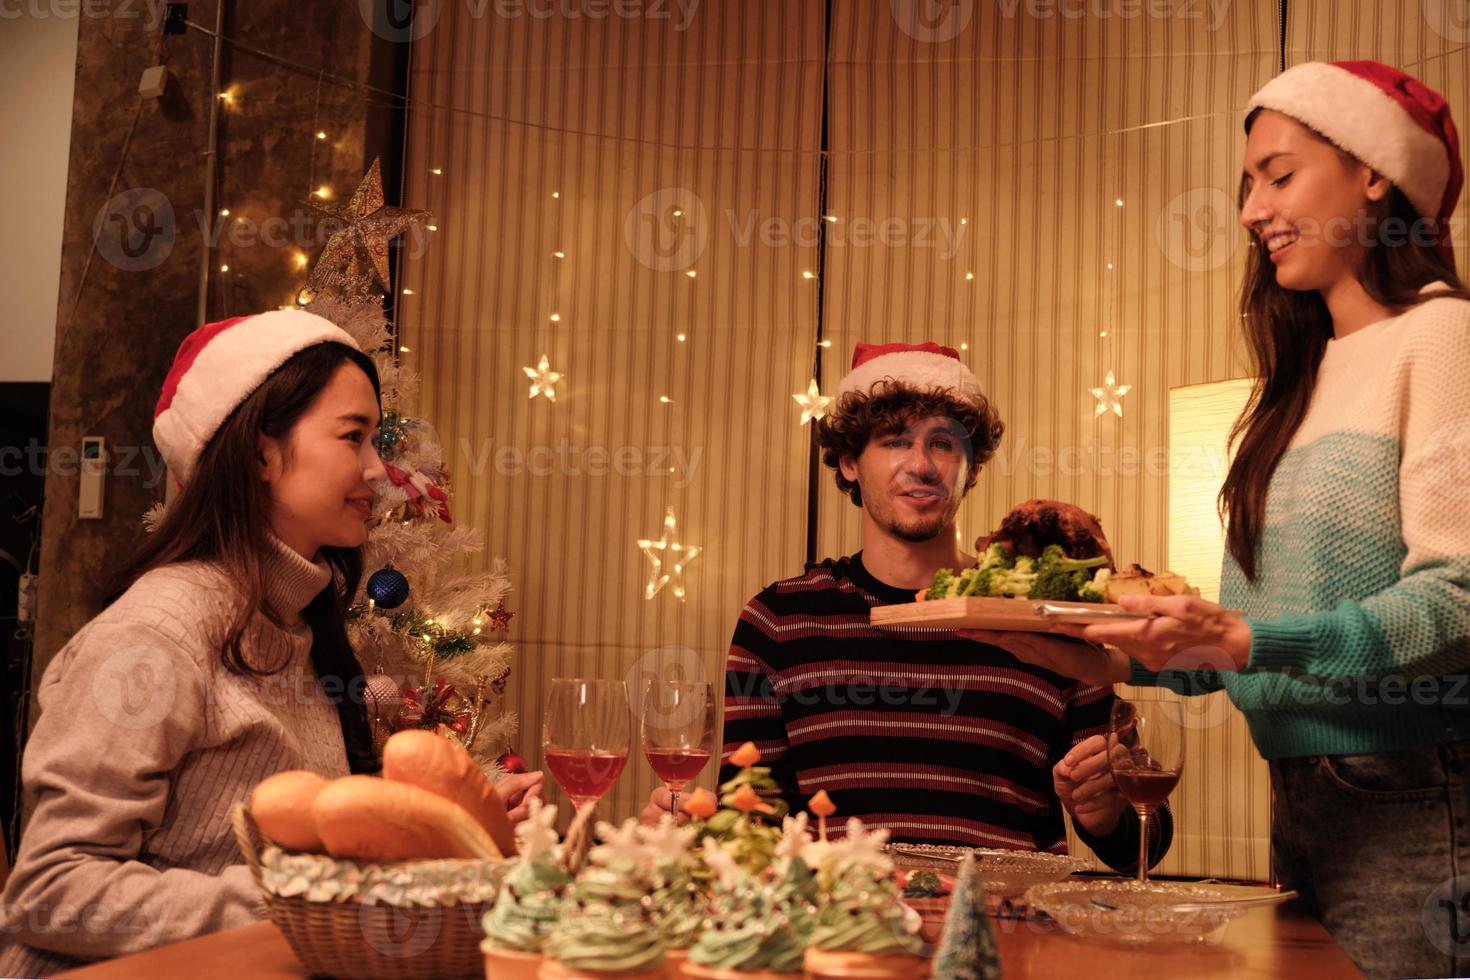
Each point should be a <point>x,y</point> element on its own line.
<point>690,273</point>
<point>301,260</point>
<point>543,379</point>
<point>560,255</point>
<point>667,548</point>
<point>830,217</point>
<point>436,171</point>
<point>1109,396</point>
<point>433,227</point>
<point>224,268</point>
<point>324,192</point>
<point>224,212</point>
<point>825,343</point>
<point>321,136</point>
<point>556,195</point>
<point>969,276</point>
<point>227,97</point>
<point>407,292</point>
<point>404,350</point>
<point>682,338</point>
<point>813,404</point>
<point>808,275</point>
<point>664,399</point>
<point>556,318</point>
<point>1118,202</point>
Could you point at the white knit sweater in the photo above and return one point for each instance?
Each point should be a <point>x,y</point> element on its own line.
<point>143,745</point>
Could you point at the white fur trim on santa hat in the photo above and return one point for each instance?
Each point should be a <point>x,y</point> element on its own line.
<point>1365,121</point>
<point>231,365</point>
<point>924,370</point>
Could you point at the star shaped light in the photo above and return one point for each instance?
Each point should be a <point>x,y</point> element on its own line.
<point>1109,396</point>
<point>536,835</point>
<point>543,379</point>
<point>813,403</point>
<point>356,255</point>
<point>667,550</point>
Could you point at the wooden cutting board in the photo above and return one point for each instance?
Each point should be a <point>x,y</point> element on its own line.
<point>972,612</point>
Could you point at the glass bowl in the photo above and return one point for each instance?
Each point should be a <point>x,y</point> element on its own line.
<point>1136,913</point>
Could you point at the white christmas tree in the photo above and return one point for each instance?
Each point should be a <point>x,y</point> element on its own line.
<point>429,630</point>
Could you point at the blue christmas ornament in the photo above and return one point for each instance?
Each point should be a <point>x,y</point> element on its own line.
<point>388,588</point>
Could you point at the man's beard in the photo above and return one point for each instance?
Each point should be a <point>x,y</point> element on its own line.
<point>919,532</point>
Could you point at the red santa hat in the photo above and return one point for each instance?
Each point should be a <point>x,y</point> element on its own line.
<point>1384,117</point>
<point>926,366</point>
<point>218,366</point>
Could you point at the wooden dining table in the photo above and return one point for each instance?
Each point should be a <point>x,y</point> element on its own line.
<point>1266,942</point>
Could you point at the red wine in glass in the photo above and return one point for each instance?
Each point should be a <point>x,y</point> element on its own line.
<point>1146,757</point>
<point>678,731</point>
<point>1143,787</point>
<point>676,767</point>
<point>585,775</point>
<point>584,736</point>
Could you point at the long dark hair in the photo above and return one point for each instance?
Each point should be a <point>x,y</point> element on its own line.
<point>222,514</point>
<point>1287,331</point>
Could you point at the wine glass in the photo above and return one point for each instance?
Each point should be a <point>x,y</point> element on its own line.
<point>678,731</point>
<point>1146,755</point>
<point>585,736</point>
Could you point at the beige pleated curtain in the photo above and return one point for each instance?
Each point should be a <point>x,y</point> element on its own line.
<point>634,191</point>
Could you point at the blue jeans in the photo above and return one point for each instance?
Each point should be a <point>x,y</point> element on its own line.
<point>1379,847</point>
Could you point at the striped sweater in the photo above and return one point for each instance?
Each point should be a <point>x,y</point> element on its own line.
<point>1360,615</point>
<point>937,738</point>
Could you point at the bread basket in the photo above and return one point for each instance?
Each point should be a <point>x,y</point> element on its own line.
<point>365,921</point>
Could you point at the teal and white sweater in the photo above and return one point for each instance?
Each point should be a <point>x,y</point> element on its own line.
<point>1360,615</point>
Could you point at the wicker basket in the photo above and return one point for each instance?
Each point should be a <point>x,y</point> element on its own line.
<point>357,941</point>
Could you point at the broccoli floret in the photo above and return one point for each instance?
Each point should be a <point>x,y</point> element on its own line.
<point>995,556</point>
<point>1097,589</point>
<point>1014,582</point>
<point>943,580</point>
<point>1060,578</point>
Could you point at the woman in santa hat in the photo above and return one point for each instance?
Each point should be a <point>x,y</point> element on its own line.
<point>225,660</point>
<point>1348,539</point>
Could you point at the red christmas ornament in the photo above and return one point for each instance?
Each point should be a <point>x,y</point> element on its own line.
<point>512,763</point>
<point>500,618</point>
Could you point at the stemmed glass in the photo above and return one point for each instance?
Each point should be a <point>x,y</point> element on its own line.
<point>678,731</point>
<point>585,736</point>
<point>1146,755</point>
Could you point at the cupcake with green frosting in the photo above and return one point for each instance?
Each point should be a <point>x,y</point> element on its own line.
<point>606,927</point>
<point>678,900</point>
<point>529,900</point>
<point>863,929</point>
<point>749,934</point>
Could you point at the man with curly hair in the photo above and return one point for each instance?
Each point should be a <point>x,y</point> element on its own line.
<point>924,731</point>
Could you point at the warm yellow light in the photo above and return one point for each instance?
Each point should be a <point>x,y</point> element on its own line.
<point>436,171</point>
<point>690,273</point>
<point>556,195</point>
<point>664,399</point>
<point>556,318</point>
<point>321,136</point>
<point>408,292</point>
<point>224,268</point>
<point>969,276</point>
<point>826,343</point>
<point>433,227</point>
<point>301,260</point>
<point>324,192</point>
<point>830,217</point>
<point>681,338</point>
<point>1119,202</point>
<point>808,275</point>
<point>560,255</point>
<point>224,212</point>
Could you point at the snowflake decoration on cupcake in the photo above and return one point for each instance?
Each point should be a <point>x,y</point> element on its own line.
<point>620,843</point>
<point>667,843</point>
<point>537,835</point>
